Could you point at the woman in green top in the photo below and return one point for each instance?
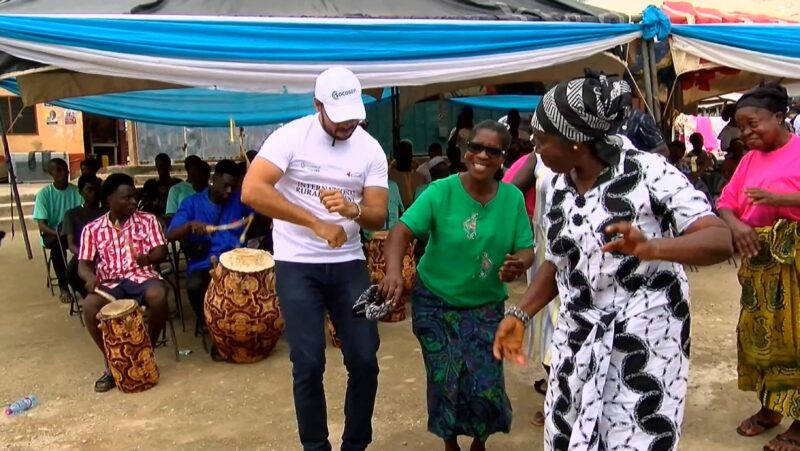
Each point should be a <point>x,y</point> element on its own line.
<point>480,238</point>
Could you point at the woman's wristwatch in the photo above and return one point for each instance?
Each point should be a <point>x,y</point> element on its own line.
<point>519,314</point>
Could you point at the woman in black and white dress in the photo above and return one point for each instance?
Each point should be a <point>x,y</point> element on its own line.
<point>620,224</point>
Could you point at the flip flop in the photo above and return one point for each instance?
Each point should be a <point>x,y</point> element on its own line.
<point>755,426</point>
<point>783,440</point>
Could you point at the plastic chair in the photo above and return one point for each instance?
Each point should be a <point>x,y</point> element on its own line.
<point>74,304</point>
<point>48,266</point>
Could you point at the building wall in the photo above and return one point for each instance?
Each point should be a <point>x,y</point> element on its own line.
<point>57,136</point>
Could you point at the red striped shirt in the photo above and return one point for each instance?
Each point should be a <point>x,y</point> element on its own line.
<point>110,248</point>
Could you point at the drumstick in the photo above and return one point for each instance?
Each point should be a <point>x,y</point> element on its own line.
<point>231,226</point>
<point>246,228</point>
<point>105,295</point>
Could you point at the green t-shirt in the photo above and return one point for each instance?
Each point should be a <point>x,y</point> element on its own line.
<point>421,189</point>
<point>468,241</point>
<point>51,203</point>
<point>176,195</point>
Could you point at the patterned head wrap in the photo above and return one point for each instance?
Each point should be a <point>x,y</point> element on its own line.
<point>587,109</point>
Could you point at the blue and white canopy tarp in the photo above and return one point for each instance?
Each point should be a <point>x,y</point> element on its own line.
<point>192,107</point>
<point>274,55</point>
<point>766,49</point>
<point>522,103</point>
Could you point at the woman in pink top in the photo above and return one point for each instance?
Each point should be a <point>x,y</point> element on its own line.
<point>530,195</point>
<point>762,207</point>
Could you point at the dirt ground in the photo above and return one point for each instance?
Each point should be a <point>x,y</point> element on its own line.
<point>199,404</point>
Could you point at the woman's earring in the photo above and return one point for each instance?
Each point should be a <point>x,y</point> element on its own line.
<point>574,147</point>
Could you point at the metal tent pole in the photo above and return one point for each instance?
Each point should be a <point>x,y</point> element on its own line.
<point>651,51</point>
<point>12,179</point>
<point>648,84</point>
<point>395,119</point>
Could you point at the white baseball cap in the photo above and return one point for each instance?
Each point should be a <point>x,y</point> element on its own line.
<point>340,91</point>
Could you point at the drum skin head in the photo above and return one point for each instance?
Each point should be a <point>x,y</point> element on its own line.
<point>119,308</point>
<point>381,235</point>
<point>247,260</point>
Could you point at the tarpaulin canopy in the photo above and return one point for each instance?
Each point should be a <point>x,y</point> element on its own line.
<point>522,103</point>
<point>282,55</point>
<point>277,46</point>
<point>193,107</point>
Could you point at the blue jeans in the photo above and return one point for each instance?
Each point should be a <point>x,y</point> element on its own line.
<point>306,291</point>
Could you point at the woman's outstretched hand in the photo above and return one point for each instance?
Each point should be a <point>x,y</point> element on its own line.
<point>629,240</point>
<point>508,340</point>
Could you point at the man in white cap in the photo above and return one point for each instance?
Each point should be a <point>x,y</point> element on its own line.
<point>322,178</point>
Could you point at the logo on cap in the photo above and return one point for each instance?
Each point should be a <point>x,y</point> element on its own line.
<point>335,95</point>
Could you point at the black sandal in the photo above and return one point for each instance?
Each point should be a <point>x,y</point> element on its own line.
<point>105,383</point>
<point>541,386</point>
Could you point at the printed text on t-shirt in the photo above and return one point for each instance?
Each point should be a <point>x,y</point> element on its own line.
<point>313,190</point>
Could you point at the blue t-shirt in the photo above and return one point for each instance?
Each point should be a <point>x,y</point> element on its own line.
<point>198,207</point>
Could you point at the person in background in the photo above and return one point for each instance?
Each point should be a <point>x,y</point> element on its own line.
<point>459,135</point>
<point>74,222</point>
<point>796,121</point>
<point>197,175</point>
<point>736,151</point>
<point>216,205</point>
<point>118,254</point>
<point>155,191</point>
<point>520,143</point>
<point>90,166</point>
<point>52,202</point>
<point>698,145</point>
<point>677,156</point>
<point>403,174</point>
<point>434,150</point>
<point>322,179</point>
<point>439,169</point>
<point>457,303</point>
<point>619,363</point>
<point>761,204</point>
<point>730,132</point>
<point>640,127</point>
<point>534,179</point>
<point>454,159</point>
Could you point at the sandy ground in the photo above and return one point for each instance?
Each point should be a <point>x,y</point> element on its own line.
<point>199,404</point>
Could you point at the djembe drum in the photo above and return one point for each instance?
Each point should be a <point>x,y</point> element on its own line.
<point>241,307</point>
<point>376,262</point>
<point>127,346</point>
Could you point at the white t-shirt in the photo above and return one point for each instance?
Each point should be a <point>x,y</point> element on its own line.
<point>311,160</point>
<point>797,125</point>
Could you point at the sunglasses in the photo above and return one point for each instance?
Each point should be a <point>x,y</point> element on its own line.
<point>477,148</point>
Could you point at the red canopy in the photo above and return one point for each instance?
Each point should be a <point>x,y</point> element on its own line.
<point>686,13</point>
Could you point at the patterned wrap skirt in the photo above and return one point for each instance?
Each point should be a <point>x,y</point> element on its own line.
<point>768,333</point>
<point>465,384</point>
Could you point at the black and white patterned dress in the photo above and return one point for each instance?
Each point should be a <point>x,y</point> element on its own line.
<point>620,354</point>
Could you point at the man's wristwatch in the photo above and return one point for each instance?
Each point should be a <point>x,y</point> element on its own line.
<point>519,314</point>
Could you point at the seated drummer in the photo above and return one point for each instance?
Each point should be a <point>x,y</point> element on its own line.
<point>117,255</point>
<point>218,205</point>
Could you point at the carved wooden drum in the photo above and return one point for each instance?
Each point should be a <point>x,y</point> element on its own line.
<point>241,307</point>
<point>127,346</point>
